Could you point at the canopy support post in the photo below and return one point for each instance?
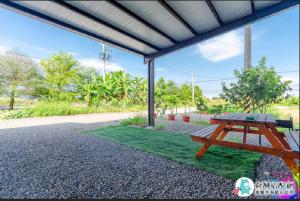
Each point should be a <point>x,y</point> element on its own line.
<point>150,92</point>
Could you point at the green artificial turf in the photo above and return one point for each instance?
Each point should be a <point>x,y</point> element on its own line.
<point>230,163</point>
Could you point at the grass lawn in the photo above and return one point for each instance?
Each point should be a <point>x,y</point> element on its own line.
<point>230,163</point>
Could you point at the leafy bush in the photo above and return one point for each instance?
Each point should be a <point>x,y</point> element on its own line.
<point>291,100</point>
<point>227,107</point>
<point>15,114</point>
<point>57,108</point>
<point>136,121</point>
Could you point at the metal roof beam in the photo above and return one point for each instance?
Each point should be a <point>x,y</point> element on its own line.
<point>177,16</point>
<point>283,5</point>
<point>43,17</point>
<point>98,20</point>
<point>214,12</point>
<point>141,20</point>
<point>252,6</point>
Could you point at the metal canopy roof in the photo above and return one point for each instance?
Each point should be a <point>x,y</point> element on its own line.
<point>149,28</point>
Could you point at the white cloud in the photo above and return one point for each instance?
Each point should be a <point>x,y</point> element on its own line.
<point>159,69</point>
<point>3,49</point>
<point>294,78</point>
<point>222,47</point>
<point>95,63</point>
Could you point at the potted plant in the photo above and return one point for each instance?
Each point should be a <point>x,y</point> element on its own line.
<point>171,101</point>
<point>171,116</point>
<point>185,117</point>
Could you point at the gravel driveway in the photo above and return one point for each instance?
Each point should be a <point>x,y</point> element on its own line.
<point>41,158</point>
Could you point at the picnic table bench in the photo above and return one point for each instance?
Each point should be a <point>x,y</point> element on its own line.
<point>284,145</point>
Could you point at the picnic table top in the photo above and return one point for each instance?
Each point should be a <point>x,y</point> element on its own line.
<point>241,117</point>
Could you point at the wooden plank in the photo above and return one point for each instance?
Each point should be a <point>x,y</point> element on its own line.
<point>245,123</point>
<point>291,141</point>
<point>250,147</point>
<point>234,116</point>
<point>248,131</point>
<point>223,117</point>
<point>206,131</point>
<point>261,118</point>
<point>295,135</point>
<point>270,119</point>
<point>241,117</point>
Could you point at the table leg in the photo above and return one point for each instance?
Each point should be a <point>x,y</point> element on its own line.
<point>271,137</point>
<point>225,131</point>
<point>276,143</point>
<point>245,135</point>
<point>214,135</point>
<point>280,137</point>
<point>291,163</point>
<point>202,150</point>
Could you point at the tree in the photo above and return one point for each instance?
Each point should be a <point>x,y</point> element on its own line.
<point>18,73</point>
<point>160,93</point>
<point>185,92</point>
<point>87,84</point>
<point>60,72</point>
<point>171,101</point>
<point>260,83</point>
<point>139,90</point>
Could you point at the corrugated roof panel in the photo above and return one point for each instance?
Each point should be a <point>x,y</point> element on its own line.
<point>154,13</point>
<point>110,14</point>
<point>232,10</point>
<point>54,10</point>
<point>162,17</point>
<point>196,13</point>
<point>263,4</point>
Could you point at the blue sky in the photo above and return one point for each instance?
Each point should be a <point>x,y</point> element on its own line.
<point>276,37</point>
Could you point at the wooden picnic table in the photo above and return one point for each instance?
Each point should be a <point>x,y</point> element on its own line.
<point>257,124</point>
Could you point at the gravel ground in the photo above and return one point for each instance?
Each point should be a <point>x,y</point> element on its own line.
<point>51,158</point>
<point>58,161</point>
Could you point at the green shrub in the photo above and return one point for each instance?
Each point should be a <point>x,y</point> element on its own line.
<point>219,108</point>
<point>15,114</point>
<point>136,121</point>
<point>291,100</point>
<point>43,109</point>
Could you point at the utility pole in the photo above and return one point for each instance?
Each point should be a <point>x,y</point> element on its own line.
<point>247,64</point>
<point>247,61</point>
<point>193,87</point>
<point>247,47</point>
<point>105,57</point>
